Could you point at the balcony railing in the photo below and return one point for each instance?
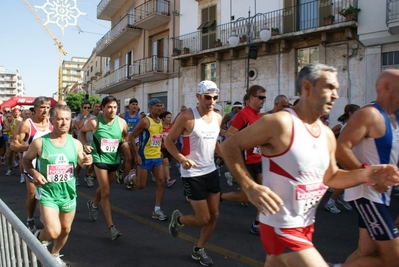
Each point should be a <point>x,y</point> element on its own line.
<point>126,22</point>
<point>149,65</point>
<point>115,77</point>
<point>101,6</point>
<point>287,20</point>
<point>151,7</point>
<point>392,10</point>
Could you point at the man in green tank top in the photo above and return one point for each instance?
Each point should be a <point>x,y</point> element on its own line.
<point>109,133</point>
<point>58,155</point>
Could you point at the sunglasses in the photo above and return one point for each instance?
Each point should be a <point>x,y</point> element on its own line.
<point>260,97</point>
<point>7,111</point>
<point>86,107</point>
<point>208,97</point>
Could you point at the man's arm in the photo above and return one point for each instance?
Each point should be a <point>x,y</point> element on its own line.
<point>143,124</point>
<point>272,127</point>
<point>34,151</point>
<point>17,143</point>
<point>90,126</point>
<point>225,120</point>
<point>84,160</point>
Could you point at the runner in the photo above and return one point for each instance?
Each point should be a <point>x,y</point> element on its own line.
<point>371,137</point>
<point>58,155</point>
<point>166,118</point>
<point>298,158</point>
<point>200,129</point>
<point>148,155</point>
<point>31,129</point>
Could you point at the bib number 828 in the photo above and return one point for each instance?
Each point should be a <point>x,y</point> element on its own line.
<point>61,177</point>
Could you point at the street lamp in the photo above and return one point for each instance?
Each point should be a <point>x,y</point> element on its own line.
<point>252,50</point>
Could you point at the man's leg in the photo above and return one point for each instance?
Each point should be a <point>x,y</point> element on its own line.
<point>103,191</point>
<point>30,203</point>
<point>140,180</point>
<point>160,189</point>
<point>66,220</point>
<point>309,257</point>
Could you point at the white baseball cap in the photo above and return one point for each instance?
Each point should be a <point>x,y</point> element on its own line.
<point>207,87</point>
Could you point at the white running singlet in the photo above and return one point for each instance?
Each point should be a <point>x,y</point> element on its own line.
<point>199,146</point>
<point>296,176</point>
<point>383,150</point>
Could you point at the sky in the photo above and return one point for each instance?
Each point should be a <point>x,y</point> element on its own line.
<point>26,46</point>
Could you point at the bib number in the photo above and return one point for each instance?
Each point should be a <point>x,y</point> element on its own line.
<point>57,173</point>
<point>310,193</point>
<point>109,145</point>
<point>156,140</point>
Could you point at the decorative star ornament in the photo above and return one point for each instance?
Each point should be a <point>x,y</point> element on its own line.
<point>64,13</point>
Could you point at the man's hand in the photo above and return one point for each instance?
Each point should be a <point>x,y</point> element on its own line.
<point>383,175</point>
<point>188,164</point>
<point>87,149</point>
<point>87,159</point>
<point>264,199</point>
<point>39,180</point>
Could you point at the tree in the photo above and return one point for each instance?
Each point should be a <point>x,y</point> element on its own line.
<point>75,101</point>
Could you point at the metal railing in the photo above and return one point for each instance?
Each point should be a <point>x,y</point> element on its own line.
<point>114,77</point>
<point>392,10</point>
<point>18,247</point>
<point>126,22</point>
<point>149,65</point>
<point>151,7</point>
<point>287,20</point>
<point>102,5</point>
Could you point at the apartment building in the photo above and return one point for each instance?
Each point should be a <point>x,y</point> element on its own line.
<point>94,68</point>
<point>72,75</point>
<point>139,46</point>
<point>11,84</point>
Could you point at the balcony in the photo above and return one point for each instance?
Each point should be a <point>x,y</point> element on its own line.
<point>114,82</point>
<point>150,69</point>
<point>152,14</point>
<point>107,8</point>
<point>393,16</point>
<point>122,33</point>
<point>290,24</point>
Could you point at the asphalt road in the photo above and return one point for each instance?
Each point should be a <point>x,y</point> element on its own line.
<point>147,242</point>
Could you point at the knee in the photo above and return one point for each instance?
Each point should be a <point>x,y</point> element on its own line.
<point>105,194</point>
<point>53,233</point>
<point>65,230</point>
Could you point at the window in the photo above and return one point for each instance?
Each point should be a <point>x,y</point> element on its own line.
<point>390,60</point>
<point>306,56</point>
<point>208,27</point>
<point>209,71</point>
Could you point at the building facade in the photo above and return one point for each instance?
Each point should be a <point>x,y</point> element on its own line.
<point>11,84</point>
<point>72,75</point>
<point>160,48</point>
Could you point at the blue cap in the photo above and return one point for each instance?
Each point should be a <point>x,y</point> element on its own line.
<point>154,101</point>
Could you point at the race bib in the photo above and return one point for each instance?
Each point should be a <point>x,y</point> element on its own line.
<point>57,173</point>
<point>109,145</point>
<point>310,193</point>
<point>156,140</point>
<point>256,150</point>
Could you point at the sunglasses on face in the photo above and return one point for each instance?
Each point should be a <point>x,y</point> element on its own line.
<point>7,111</point>
<point>86,107</point>
<point>260,97</point>
<point>208,97</point>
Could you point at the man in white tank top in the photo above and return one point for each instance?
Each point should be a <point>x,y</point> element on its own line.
<point>371,136</point>
<point>200,127</point>
<point>31,129</point>
<point>298,162</point>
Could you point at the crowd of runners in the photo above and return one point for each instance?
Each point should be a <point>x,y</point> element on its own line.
<point>284,169</point>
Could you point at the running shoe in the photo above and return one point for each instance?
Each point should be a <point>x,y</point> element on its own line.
<point>31,226</point>
<point>9,172</point>
<point>174,225</point>
<point>88,181</point>
<point>229,178</point>
<point>170,182</point>
<point>201,256</point>
<point>119,176</point>
<point>128,181</point>
<point>332,208</point>
<point>15,164</point>
<point>255,229</point>
<point>22,180</point>
<point>45,244</point>
<point>159,215</point>
<point>93,212</point>
<point>114,232</point>
<point>346,205</point>
<point>58,259</point>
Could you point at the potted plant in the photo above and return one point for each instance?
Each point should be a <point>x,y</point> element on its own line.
<point>328,20</point>
<point>176,51</point>
<point>350,12</point>
<point>275,31</point>
<point>218,43</point>
<point>186,50</point>
<point>243,38</point>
